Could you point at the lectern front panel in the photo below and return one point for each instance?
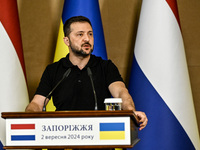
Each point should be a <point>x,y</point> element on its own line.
<point>68,131</point>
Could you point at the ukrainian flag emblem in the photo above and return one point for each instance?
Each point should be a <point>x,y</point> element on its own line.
<point>112,131</point>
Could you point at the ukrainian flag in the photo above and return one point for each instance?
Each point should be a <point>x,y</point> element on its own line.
<point>90,10</point>
<point>112,131</point>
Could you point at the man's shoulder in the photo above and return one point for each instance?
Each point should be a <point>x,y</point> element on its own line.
<point>99,59</point>
<point>56,65</point>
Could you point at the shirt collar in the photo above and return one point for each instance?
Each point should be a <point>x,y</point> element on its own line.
<point>91,63</point>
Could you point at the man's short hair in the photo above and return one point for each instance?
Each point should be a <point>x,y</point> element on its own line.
<point>66,27</point>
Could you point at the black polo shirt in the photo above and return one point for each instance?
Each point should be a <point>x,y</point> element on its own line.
<point>75,92</point>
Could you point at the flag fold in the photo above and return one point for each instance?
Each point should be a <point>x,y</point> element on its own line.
<point>159,82</point>
<point>13,88</point>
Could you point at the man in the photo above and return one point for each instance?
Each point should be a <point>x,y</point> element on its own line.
<point>75,92</point>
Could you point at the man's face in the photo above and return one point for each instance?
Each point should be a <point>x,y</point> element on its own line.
<point>81,40</point>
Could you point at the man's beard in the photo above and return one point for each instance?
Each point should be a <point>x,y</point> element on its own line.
<point>80,52</point>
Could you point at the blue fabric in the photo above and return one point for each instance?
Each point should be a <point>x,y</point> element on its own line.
<point>1,146</point>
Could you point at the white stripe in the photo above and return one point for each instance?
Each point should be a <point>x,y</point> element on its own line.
<point>22,132</point>
<point>13,90</point>
<point>160,53</point>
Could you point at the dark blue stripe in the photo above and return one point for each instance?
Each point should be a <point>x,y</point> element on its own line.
<point>1,146</point>
<point>22,137</point>
<point>163,131</point>
<point>111,126</point>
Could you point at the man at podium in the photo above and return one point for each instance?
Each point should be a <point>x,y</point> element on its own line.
<point>81,81</point>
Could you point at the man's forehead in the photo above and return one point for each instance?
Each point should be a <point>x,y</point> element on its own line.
<point>81,26</point>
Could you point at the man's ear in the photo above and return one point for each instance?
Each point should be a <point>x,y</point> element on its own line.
<point>66,41</point>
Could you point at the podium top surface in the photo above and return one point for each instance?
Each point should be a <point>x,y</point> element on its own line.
<point>56,114</point>
<point>63,114</point>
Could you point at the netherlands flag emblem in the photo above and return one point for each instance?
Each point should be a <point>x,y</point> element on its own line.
<point>22,132</point>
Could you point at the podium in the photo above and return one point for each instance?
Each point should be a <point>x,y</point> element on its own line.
<point>71,129</point>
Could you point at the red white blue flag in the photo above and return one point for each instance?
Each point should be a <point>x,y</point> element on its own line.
<point>22,132</point>
<point>13,89</point>
<point>159,82</point>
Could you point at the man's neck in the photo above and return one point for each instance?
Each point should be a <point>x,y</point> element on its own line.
<point>79,61</point>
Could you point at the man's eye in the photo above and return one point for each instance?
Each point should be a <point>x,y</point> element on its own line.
<point>80,34</point>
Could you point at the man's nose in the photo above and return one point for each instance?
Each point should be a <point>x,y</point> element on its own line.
<point>86,38</point>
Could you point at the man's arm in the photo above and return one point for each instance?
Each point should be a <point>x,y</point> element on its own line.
<point>119,90</point>
<point>36,104</point>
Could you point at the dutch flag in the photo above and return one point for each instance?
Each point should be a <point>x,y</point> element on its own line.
<point>159,82</point>
<point>13,88</point>
<point>22,132</point>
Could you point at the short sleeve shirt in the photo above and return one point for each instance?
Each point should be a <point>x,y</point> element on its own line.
<point>75,92</point>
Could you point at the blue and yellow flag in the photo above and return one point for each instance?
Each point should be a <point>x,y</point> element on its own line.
<point>112,131</point>
<point>89,9</point>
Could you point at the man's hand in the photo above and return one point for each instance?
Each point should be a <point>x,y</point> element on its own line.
<point>142,119</point>
<point>36,104</point>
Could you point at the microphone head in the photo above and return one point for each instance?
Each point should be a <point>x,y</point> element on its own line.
<point>66,74</point>
<point>89,71</point>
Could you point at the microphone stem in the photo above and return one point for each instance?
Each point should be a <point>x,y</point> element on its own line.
<point>95,97</point>
<point>66,74</point>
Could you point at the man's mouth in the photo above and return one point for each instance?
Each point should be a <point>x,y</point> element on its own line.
<point>86,45</point>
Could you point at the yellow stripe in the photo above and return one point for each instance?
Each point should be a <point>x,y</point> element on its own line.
<point>61,48</point>
<point>61,51</point>
<point>112,135</point>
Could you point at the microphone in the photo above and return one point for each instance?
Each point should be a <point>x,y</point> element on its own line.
<point>95,96</point>
<point>65,75</point>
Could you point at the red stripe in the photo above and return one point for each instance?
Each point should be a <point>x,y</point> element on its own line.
<point>173,5</point>
<point>10,20</point>
<point>22,126</point>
